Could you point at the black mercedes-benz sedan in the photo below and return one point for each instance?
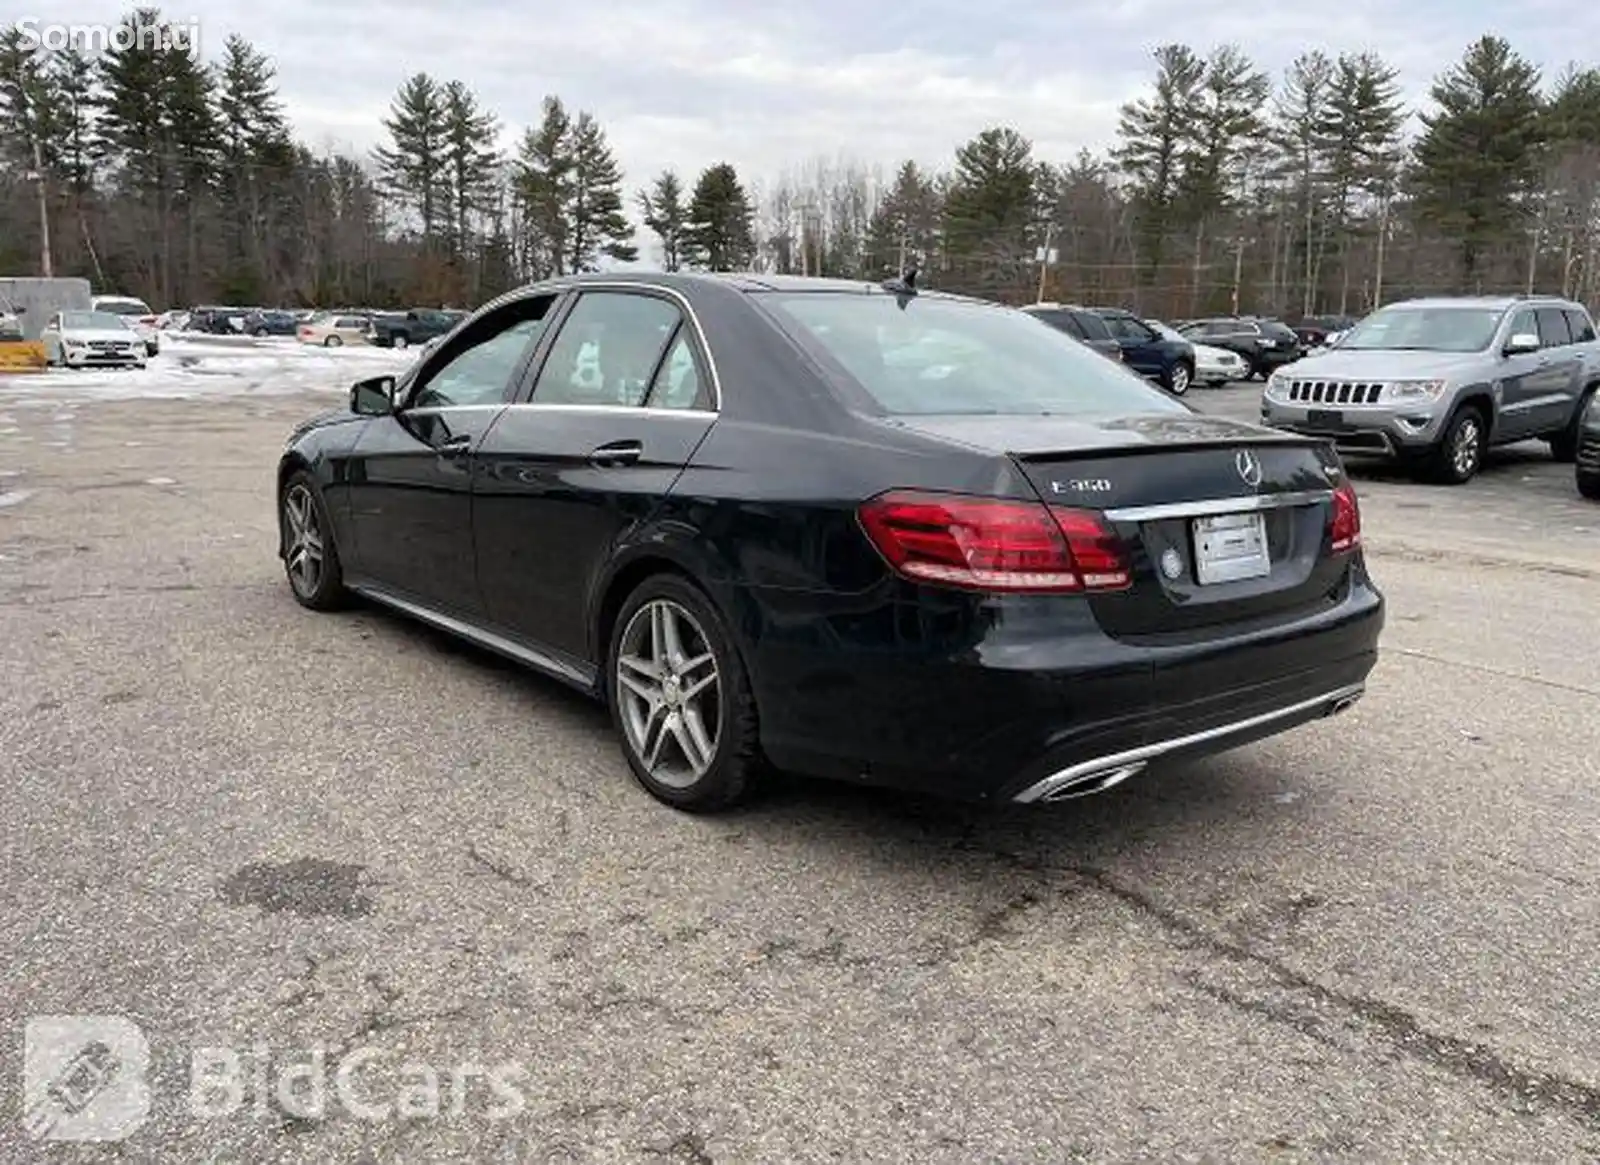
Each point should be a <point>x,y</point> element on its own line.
<point>846,530</point>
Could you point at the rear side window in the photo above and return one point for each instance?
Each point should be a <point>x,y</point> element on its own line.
<point>1579,324</point>
<point>1092,326</point>
<point>956,357</point>
<point>1060,320</point>
<point>1553,332</point>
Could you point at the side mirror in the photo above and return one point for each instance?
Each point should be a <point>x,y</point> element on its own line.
<point>373,398</point>
<point>1521,344</point>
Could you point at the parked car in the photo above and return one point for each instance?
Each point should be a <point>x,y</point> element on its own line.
<point>331,330</point>
<point>1168,360</point>
<point>1010,572</point>
<point>221,321</point>
<point>89,339</point>
<point>138,315</point>
<point>1265,345</point>
<point>1081,324</point>
<point>1320,331</point>
<point>271,322</point>
<point>417,326</point>
<point>1588,451</point>
<point>1212,366</point>
<point>1435,383</point>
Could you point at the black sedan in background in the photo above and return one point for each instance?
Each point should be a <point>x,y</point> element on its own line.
<point>1265,345</point>
<point>848,530</point>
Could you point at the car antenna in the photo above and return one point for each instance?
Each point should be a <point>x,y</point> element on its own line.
<point>904,286</point>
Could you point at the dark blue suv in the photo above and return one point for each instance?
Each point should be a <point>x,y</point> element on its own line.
<point>1147,352</point>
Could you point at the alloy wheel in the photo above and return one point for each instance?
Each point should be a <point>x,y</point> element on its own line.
<point>304,558</point>
<point>1180,379</point>
<point>669,689</point>
<point>1467,447</point>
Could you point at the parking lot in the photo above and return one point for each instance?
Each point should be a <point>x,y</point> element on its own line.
<point>237,823</point>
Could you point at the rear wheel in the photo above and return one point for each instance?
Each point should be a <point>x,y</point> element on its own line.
<point>680,698</point>
<point>1589,485</point>
<point>1178,378</point>
<point>1459,454</point>
<point>332,342</point>
<point>1564,445</point>
<point>310,558</point>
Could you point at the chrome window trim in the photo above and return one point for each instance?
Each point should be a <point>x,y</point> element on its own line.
<point>1210,506</point>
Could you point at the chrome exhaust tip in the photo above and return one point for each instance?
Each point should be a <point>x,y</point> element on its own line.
<point>1088,784</point>
<point>1344,703</point>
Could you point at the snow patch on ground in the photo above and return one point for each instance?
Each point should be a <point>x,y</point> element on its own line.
<point>191,366</point>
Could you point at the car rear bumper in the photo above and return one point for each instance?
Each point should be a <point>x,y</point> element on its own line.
<point>1074,714</point>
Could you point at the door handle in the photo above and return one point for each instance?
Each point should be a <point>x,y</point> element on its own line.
<point>455,446</point>
<point>617,453</point>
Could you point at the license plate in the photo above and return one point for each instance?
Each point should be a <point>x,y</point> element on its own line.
<point>1326,418</point>
<point>1230,547</point>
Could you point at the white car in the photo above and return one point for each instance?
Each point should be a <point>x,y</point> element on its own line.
<point>91,339</point>
<point>138,315</point>
<point>1211,365</point>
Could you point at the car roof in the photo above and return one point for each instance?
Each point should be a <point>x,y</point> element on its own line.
<point>749,283</point>
<point>1491,302</point>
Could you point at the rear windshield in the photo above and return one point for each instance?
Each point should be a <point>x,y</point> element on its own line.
<point>941,356</point>
<point>1424,329</point>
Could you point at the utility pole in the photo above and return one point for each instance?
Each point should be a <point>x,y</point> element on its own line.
<point>1044,258</point>
<point>46,268</point>
<point>1383,239</point>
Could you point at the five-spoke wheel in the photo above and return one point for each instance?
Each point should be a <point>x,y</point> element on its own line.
<point>680,696</point>
<point>309,557</point>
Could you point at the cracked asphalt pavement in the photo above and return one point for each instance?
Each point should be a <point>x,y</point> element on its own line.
<point>262,835</point>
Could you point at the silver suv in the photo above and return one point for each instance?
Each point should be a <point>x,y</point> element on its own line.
<point>1436,382</point>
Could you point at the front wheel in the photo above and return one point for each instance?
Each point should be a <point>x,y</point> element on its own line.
<point>332,342</point>
<point>680,698</point>
<point>1459,455</point>
<point>1589,485</point>
<point>401,340</point>
<point>1178,379</point>
<point>310,558</point>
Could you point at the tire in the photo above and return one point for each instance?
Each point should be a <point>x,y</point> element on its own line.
<point>1564,445</point>
<point>1178,378</point>
<point>301,509</point>
<point>659,731</point>
<point>332,342</point>
<point>1589,485</point>
<point>1459,454</point>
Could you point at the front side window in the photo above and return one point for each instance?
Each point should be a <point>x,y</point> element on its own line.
<point>607,350</point>
<point>477,368</point>
<point>947,356</point>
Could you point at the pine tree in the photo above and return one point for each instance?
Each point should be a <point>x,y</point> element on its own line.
<point>719,235</point>
<point>1478,153</point>
<point>993,192</point>
<point>542,176</point>
<point>1364,121</point>
<point>596,224</point>
<point>1152,134</point>
<point>471,160</point>
<point>1300,133</point>
<point>905,225</point>
<point>73,76</point>
<point>413,167</point>
<point>665,215</point>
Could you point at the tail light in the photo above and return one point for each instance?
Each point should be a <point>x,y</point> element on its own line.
<point>993,544</point>
<point>1346,534</point>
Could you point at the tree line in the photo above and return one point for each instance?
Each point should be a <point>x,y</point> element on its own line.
<point>1317,191</point>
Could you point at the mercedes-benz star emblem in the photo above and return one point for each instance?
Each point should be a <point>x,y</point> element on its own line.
<point>1249,467</point>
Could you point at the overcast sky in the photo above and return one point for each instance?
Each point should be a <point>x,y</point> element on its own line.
<point>686,83</point>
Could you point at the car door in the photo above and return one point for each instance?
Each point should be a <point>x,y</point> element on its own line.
<point>410,474</point>
<point>1520,375</point>
<point>1141,349</point>
<point>619,404</point>
<point>1560,374</point>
